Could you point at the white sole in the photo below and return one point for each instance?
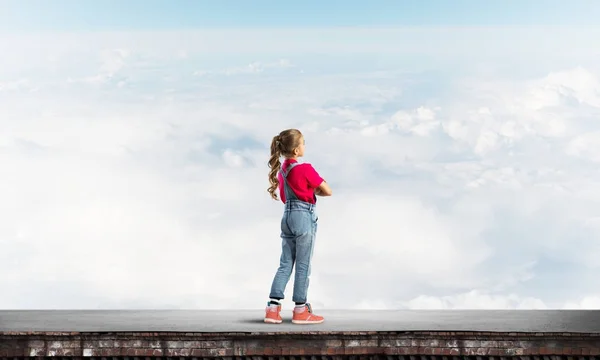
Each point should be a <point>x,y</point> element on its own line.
<point>305,322</point>
<point>272,321</point>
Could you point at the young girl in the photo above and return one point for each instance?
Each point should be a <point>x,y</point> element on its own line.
<point>298,184</point>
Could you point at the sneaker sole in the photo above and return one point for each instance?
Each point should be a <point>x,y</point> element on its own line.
<point>272,321</point>
<point>307,322</point>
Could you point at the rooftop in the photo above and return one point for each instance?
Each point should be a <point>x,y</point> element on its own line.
<point>561,321</point>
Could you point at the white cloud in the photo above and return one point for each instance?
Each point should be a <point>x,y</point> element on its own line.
<point>475,300</point>
<point>136,176</point>
<point>587,302</point>
<point>252,68</point>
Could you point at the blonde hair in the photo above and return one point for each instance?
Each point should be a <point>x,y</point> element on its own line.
<point>281,145</point>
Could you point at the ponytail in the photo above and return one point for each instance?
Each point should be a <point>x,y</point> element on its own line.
<point>274,165</point>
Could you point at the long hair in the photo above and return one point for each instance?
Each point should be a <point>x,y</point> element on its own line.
<point>281,145</point>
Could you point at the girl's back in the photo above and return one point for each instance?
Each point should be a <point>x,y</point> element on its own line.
<point>303,179</point>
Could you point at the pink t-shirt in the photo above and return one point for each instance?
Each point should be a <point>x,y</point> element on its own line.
<point>303,180</point>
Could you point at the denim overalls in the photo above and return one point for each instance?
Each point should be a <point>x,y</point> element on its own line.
<point>298,232</point>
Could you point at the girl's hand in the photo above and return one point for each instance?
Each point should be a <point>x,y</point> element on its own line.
<point>323,189</point>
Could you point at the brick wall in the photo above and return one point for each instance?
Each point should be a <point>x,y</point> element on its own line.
<point>231,345</point>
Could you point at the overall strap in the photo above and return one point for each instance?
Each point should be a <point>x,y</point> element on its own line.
<point>289,193</point>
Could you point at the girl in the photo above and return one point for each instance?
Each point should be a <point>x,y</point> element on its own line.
<point>298,184</point>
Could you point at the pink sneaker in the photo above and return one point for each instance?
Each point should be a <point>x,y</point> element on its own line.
<point>306,317</point>
<point>273,314</point>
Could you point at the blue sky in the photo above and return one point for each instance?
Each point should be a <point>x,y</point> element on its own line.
<point>61,15</point>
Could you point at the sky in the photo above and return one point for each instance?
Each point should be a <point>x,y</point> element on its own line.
<point>86,15</point>
<point>461,146</point>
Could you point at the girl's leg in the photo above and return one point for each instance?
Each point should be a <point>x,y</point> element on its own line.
<point>303,313</point>
<point>305,244</point>
<point>286,264</point>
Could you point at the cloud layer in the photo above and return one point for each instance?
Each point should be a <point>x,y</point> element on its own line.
<point>464,175</point>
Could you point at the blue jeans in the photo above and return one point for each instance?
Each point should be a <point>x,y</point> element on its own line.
<point>298,233</point>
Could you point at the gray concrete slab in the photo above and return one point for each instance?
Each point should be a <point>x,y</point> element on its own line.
<point>251,321</point>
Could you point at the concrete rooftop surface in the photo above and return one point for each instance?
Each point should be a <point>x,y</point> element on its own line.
<point>586,321</point>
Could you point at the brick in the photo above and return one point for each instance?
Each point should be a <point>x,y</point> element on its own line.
<point>412,350</point>
<point>55,345</point>
<point>177,352</point>
<point>249,344</point>
<point>224,344</point>
<point>389,343</point>
<point>154,344</point>
<point>315,351</point>
<point>205,353</point>
<point>489,344</point>
<point>36,352</point>
<point>222,352</point>
<point>506,344</point>
<point>373,350</point>
<point>469,351</point>
<point>333,343</point>
<point>450,344</point>
<point>472,343</point>
<point>104,343</point>
<point>526,344</point>
<point>157,352</point>
<point>144,352</point>
<point>369,343</point>
<point>437,351</point>
<point>476,351</point>
<point>402,342</point>
<point>275,343</point>
<point>360,350</point>
<point>112,351</point>
<point>174,344</point>
<point>351,343</point>
<point>63,352</point>
<point>391,351</point>
<point>430,343</point>
<point>495,352</point>
<point>194,344</point>
<point>36,343</point>
<point>89,344</point>
<point>403,350</point>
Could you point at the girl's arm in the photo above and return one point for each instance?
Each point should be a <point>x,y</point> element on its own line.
<point>323,189</point>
